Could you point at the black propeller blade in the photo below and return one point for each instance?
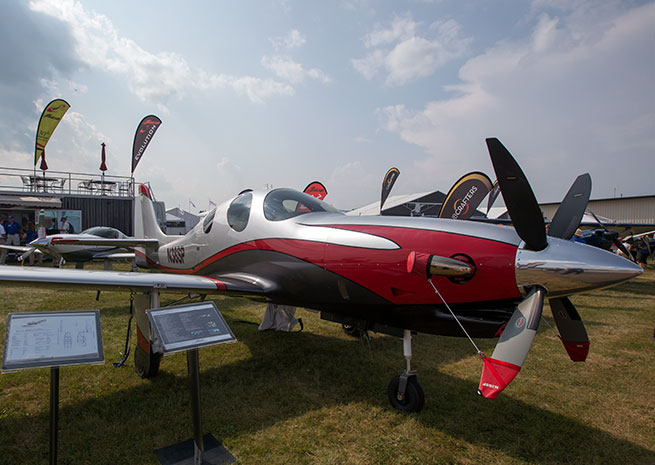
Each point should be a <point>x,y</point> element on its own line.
<point>519,199</point>
<point>571,328</point>
<point>569,214</point>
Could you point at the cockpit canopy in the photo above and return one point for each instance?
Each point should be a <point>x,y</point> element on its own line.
<point>104,231</point>
<point>282,204</point>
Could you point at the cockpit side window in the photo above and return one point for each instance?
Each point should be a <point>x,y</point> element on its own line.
<point>282,204</point>
<point>238,213</point>
<point>208,221</point>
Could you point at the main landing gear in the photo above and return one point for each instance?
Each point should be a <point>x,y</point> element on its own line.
<point>405,393</point>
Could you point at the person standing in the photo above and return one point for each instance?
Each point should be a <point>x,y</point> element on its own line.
<point>65,226</point>
<point>643,251</point>
<point>29,234</point>
<point>3,239</point>
<point>13,231</point>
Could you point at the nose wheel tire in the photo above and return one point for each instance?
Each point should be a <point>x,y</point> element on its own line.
<point>411,400</point>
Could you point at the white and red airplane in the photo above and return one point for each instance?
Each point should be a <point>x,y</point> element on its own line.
<point>396,275</point>
<point>96,243</point>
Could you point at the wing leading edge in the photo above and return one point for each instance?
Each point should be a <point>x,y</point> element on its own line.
<point>233,284</point>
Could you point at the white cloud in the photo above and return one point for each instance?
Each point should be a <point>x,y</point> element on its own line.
<point>153,77</point>
<point>404,55</point>
<point>285,68</point>
<point>256,89</point>
<point>402,28</point>
<point>293,39</point>
<point>370,64</point>
<point>571,97</point>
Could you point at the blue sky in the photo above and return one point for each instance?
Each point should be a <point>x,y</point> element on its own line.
<point>257,93</point>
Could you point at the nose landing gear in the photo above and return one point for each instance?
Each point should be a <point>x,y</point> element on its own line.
<point>405,393</point>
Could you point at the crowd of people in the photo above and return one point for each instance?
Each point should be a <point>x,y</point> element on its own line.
<point>642,248</point>
<point>13,233</point>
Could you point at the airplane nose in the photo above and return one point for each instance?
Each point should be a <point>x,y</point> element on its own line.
<point>566,267</point>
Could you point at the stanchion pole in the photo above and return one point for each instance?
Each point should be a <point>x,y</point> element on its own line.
<point>194,380</point>
<point>54,413</point>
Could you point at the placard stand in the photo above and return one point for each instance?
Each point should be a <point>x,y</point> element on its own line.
<point>54,413</point>
<point>188,327</point>
<point>52,339</point>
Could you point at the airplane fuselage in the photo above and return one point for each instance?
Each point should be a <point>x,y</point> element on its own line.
<point>358,265</point>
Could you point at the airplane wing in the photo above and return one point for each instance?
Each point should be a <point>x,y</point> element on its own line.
<point>105,242</point>
<point>637,236</point>
<point>231,284</point>
<point>113,255</point>
<point>16,248</point>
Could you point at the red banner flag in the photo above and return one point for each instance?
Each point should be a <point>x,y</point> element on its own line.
<point>316,189</point>
<point>103,156</point>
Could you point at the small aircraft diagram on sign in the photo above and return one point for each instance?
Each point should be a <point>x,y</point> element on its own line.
<point>97,243</point>
<point>395,275</point>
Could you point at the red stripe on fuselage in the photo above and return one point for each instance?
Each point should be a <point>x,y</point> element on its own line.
<point>384,271</point>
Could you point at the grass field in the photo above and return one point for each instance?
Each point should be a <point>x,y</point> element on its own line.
<point>319,396</point>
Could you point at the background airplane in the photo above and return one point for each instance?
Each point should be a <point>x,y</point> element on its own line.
<point>394,275</point>
<point>97,243</point>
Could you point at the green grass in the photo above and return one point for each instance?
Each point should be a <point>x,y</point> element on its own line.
<point>319,397</point>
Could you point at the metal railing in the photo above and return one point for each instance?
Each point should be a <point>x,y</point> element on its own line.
<point>65,182</point>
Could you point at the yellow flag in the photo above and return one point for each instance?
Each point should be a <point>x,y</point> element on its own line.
<point>52,114</point>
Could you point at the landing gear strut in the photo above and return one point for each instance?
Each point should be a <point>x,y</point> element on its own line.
<point>405,393</point>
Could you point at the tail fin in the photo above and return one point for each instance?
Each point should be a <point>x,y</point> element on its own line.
<point>145,220</point>
<point>146,226</point>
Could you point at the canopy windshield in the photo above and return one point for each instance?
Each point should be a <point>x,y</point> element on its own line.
<point>103,231</point>
<point>282,204</point>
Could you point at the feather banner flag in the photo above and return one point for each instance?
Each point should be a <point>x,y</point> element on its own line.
<point>465,196</point>
<point>144,133</point>
<point>387,184</point>
<point>50,118</point>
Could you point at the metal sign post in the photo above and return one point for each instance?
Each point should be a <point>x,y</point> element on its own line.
<point>187,328</point>
<point>54,413</point>
<point>52,339</point>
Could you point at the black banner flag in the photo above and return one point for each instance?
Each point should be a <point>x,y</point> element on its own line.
<point>387,183</point>
<point>144,133</point>
<point>465,196</point>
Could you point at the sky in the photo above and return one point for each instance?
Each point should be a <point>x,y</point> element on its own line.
<point>254,94</point>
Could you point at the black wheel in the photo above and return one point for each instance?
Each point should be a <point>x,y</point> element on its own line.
<point>413,399</point>
<point>352,331</point>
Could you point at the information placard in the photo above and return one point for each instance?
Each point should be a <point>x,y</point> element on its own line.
<point>185,327</point>
<point>49,339</point>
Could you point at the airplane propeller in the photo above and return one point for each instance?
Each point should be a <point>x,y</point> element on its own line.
<point>27,254</point>
<point>516,339</point>
<point>614,237</point>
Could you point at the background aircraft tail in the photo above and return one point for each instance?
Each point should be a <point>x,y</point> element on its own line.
<point>147,227</point>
